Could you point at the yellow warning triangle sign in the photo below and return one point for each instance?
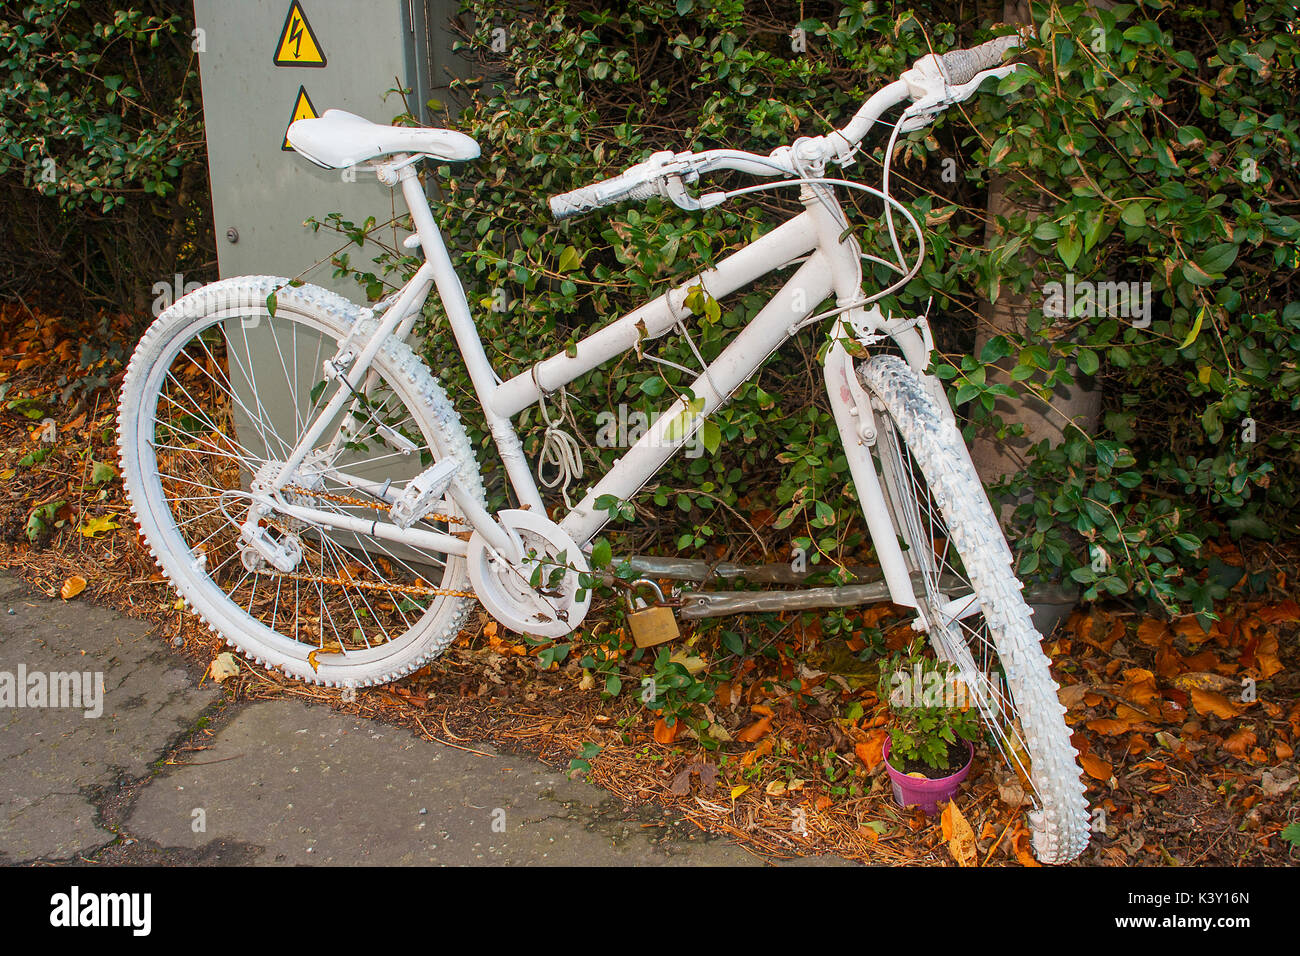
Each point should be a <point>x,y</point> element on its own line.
<point>302,109</point>
<point>298,45</point>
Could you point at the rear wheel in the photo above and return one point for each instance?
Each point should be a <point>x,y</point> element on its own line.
<point>972,603</point>
<point>218,392</point>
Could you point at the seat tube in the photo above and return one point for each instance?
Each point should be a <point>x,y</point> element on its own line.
<point>481,374</point>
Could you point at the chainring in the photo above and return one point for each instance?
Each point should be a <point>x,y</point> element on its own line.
<point>552,608</point>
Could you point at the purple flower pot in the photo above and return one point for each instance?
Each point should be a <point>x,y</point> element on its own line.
<point>923,792</point>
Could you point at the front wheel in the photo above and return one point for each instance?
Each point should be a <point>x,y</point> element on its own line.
<point>971,600</point>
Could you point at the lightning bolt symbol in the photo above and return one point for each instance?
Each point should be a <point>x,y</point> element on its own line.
<point>295,35</point>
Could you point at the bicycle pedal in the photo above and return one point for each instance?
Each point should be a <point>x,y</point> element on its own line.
<point>422,492</point>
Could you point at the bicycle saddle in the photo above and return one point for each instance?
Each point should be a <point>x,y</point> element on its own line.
<point>339,139</point>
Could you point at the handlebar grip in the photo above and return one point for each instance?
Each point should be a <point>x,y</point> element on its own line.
<point>629,185</point>
<point>961,66</point>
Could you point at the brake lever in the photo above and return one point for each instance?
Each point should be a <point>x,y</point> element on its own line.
<point>933,94</point>
<point>675,189</point>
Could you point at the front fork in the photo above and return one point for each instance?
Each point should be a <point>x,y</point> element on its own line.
<point>860,431</point>
<point>851,406</point>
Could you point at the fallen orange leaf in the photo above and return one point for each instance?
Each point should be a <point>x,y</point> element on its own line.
<point>1203,680</point>
<point>1266,656</point>
<point>1022,843</point>
<point>1287,611</point>
<point>722,694</point>
<point>1169,662</point>
<point>755,731</point>
<point>1110,727</point>
<point>1189,628</point>
<point>72,587</point>
<point>665,734</point>
<point>872,750</point>
<point>1240,742</point>
<point>958,833</point>
<point>1139,686</point>
<point>876,613</point>
<point>1097,768</point>
<point>1153,633</point>
<point>1208,703</point>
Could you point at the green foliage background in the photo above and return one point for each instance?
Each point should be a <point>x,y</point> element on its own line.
<point>1165,137</point>
<point>103,187</point>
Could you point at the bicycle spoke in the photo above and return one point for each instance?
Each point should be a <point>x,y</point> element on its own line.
<point>967,643</point>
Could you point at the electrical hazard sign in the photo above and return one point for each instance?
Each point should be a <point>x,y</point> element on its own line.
<point>298,45</point>
<point>302,109</point>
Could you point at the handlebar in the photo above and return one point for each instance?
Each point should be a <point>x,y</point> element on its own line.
<point>662,175</point>
<point>961,66</point>
<point>637,182</point>
<point>929,82</point>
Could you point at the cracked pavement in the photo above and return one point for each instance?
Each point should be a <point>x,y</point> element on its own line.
<point>172,774</point>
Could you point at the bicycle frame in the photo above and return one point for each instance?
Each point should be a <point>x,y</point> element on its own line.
<point>831,265</point>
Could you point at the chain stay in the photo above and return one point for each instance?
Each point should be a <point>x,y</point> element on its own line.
<point>413,589</point>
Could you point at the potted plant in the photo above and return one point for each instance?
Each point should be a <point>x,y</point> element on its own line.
<point>935,722</point>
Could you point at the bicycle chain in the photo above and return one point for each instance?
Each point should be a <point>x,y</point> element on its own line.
<point>365,585</point>
<point>413,589</point>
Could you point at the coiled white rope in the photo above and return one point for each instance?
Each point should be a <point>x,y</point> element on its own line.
<point>559,448</point>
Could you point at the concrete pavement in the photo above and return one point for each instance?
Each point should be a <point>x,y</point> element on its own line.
<point>273,782</point>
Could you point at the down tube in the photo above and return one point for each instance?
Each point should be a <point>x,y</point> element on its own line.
<point>738,361</point>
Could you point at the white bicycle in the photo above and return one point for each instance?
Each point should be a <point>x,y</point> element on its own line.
<point>305,483</point>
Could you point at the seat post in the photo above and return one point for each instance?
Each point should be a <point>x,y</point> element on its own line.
<point>418,204</point>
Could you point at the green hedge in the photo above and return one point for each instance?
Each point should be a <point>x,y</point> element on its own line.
<point>103,188</point>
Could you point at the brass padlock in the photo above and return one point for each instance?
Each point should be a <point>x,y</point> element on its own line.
<point>653,624</point>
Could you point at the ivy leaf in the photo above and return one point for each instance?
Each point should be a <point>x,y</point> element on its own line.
<point>1134,215</point>
<point>1196,329</point>
<point>654,386</point>
<point>1069,248</point>
<point>995,348</point>
<point>681,421</point>
<point>1291,833</point>
<point>1216,259</point>
<point>711,436</point>
<point>1196,275</point>
<point>1087,361</point>
<point>570,259</point>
